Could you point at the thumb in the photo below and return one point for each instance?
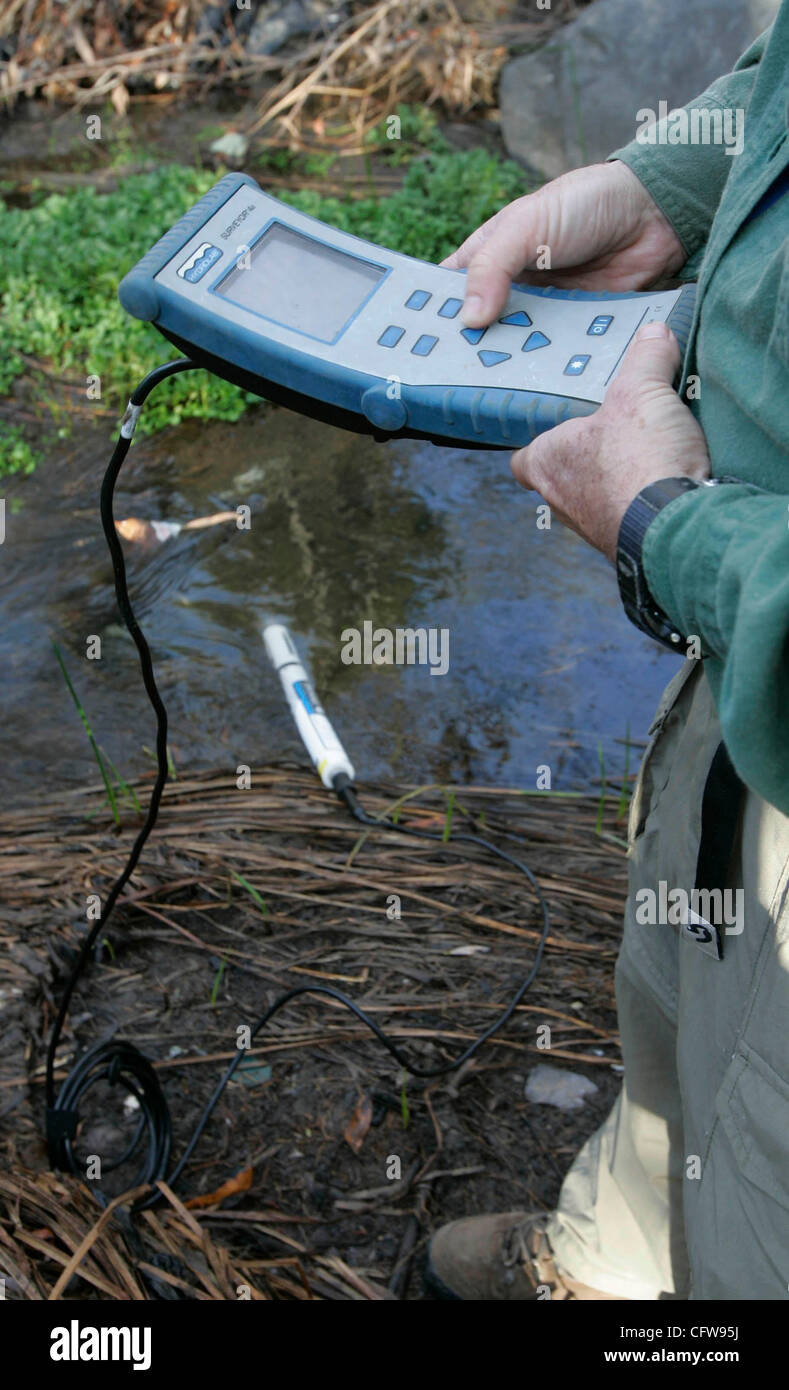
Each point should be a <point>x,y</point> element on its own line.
<point>652,358</point>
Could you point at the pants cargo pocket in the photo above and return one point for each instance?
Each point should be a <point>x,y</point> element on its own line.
<point>737,1213</point>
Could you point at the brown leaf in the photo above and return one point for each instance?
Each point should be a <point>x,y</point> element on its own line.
<point>240,1183</point>
<point>359,1124</point>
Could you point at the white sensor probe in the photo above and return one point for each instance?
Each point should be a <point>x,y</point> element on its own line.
<point>327,754</point>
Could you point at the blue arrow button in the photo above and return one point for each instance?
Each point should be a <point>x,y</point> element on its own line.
<point>491,359</point>
<point>518,320</point>
<point>535,340</point>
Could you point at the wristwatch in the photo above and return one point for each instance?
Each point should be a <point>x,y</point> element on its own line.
<point>637,601</point>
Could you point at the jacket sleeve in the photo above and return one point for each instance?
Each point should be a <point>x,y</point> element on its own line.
<point>686,181</point>
<point>717,560</point>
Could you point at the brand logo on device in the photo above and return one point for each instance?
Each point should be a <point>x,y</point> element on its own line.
<point>242,216</point>
<point>199,262</point>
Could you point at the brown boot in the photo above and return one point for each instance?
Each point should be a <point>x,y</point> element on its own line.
<point>499,1258</point>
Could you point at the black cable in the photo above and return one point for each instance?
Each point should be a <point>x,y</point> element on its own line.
<point>116,1062</point>
<point>120,1063</point>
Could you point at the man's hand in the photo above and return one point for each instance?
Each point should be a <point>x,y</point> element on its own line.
<point>589,470</point>
<point>603,229</point>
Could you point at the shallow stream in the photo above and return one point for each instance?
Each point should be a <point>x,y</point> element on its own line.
<point>543,664</point>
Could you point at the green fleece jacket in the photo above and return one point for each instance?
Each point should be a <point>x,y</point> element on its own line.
<point>717,559</point>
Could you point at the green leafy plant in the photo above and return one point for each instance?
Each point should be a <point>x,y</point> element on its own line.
<point>418,131</point>
<point>16,455</point>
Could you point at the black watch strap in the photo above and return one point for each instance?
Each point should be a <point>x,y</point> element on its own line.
<point>637,601</point>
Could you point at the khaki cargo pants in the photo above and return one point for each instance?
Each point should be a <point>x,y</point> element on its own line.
<point>684,1190</point>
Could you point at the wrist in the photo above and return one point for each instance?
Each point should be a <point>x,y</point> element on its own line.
<point>639,605</point>
<point>637,599</point>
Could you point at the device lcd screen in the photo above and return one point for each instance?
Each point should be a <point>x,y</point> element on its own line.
<point>301,283</point>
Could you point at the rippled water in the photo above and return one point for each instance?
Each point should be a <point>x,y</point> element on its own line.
<point>543,663</point>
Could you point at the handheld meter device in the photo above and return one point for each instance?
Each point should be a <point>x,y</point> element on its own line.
<point>346,331</point>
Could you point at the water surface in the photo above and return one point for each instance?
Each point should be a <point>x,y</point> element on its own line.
<point>543,663</point>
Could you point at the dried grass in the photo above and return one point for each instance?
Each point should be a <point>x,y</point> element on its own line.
<point>55,1243</point>
<point>325,888</point>
<point>381,54</point>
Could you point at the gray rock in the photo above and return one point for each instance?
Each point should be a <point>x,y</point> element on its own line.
<point>567,1090</point>
<point>574,100</point>
<point>232,145</point>
<point>276,23</point>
